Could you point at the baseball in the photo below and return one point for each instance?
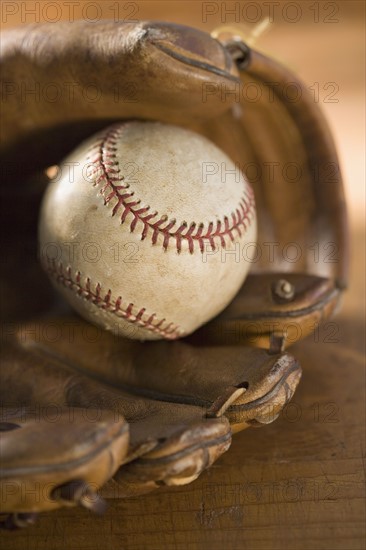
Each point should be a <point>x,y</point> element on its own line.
<point>147,230</point>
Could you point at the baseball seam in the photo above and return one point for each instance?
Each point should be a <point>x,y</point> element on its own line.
<point>107,173</point>
<point>94,294</point>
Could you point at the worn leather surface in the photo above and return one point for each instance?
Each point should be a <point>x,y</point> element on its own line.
<point>142,70</point>
<point>180,75</point>
<point>181,403</point>
<point>167,67</point>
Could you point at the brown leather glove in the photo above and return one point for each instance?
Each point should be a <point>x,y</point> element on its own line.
<point>89,402</point>
<point>163,411</point>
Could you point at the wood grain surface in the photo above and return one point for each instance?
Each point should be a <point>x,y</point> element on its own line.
<point>297,484</point>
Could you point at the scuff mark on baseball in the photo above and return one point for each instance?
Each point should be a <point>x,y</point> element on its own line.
<point>148,230</point>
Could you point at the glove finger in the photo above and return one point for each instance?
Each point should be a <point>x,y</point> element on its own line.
<point>52,456</point>
<point>290,133</point>
<point>100,72</point>
<point>178,461</point>
<point>176,441</point>
<point>318,186</point>
<point>261,314</point>
<point>246,384</point>
<point>59,460</point>
<point>301,260</point>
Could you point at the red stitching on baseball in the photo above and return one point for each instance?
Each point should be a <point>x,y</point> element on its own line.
<point>106,302</point>
<point>103,156</point>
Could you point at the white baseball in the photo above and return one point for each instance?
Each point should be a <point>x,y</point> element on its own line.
<point>146,230</point>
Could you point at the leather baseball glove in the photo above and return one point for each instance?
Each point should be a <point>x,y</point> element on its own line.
<point>79,405</point>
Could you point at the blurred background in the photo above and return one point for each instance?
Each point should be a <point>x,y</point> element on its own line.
<point>323,42</point>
